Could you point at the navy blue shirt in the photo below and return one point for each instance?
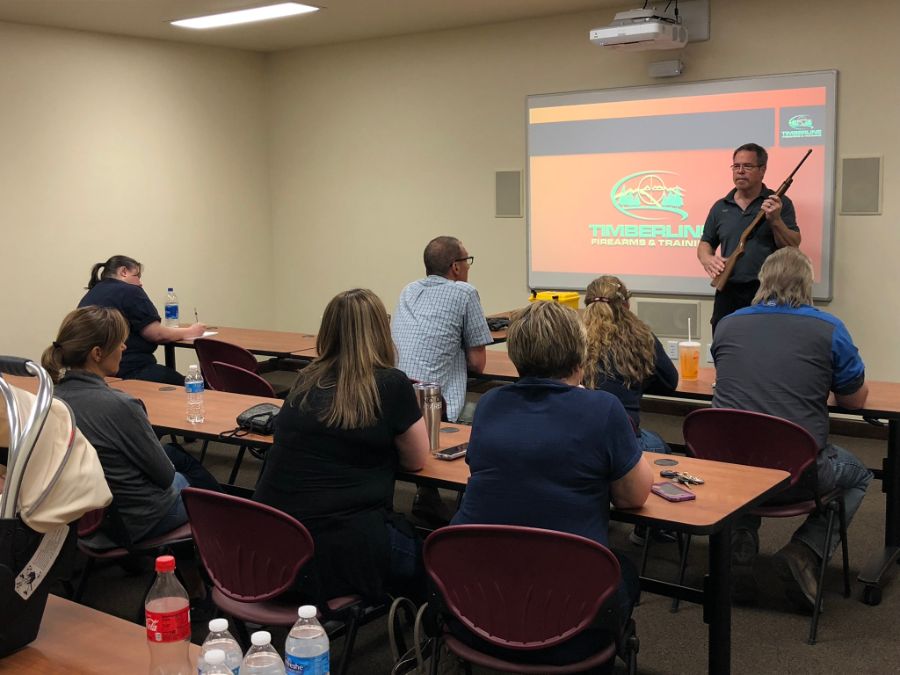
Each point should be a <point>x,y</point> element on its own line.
<point>663,380</point>
<point>137,309</point>
<point>543,454</point>
<point>784,361</point>
<point>727,221</point>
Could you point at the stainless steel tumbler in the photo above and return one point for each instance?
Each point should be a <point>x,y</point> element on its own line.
<point>429,397</point>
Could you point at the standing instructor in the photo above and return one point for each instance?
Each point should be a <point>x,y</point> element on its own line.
<point>730,216</point>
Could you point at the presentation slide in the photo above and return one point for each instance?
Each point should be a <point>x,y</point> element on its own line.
<point>621,181</point>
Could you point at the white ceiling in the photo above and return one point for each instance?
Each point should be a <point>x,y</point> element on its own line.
<point>338,21</point>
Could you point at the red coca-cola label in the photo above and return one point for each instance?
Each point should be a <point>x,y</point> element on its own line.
<point>169,626</point>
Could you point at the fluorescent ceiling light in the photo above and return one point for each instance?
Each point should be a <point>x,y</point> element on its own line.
<point>246,15</point>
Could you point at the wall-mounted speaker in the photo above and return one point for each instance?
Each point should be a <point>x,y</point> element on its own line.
<point>861,186</point>
<point>508,190</point>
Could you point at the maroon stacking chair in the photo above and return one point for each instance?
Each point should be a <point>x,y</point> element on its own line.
<point>756,439</point>
<point>236,380</point>
<point>524,589</point>
<point>96,546</point>
<point>253,554</point>
<point>210,350</point>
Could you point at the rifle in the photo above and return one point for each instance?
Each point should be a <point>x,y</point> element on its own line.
<point>721,279</point>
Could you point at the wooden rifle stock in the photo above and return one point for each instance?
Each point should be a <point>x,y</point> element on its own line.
<point>722,278</point>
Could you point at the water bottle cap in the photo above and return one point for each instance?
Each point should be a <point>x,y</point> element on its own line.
<point>307,611</point>
<point>218,625</point>
<point>214,657</point>
<point>193,367</point>
<point>165,563</point>
<point>171,289</point>
<point>261,638</point>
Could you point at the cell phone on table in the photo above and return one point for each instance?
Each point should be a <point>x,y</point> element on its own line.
<point>455,452</point>
<point>672,492</point>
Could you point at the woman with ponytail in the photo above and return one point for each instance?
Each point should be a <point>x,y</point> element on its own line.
<point>145,477</point>
<point>624,357</point>
<point>116,283</point>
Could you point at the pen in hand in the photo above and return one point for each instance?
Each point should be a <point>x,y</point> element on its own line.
<point>196,318</point>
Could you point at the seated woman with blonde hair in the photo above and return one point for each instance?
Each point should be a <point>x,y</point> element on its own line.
<point>349,424</point>
<point>545,452</point>
<point>624,357</point>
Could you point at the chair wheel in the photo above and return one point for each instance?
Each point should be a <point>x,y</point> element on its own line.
<point>872,595</point>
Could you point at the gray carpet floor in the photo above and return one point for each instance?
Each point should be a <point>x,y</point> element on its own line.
<point>768,637</point>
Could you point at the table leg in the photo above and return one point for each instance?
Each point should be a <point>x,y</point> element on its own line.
<point>717,602</point>
<point>876,574</point>
<point>169,351</point>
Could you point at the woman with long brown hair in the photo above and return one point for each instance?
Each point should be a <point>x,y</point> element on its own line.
<point>624,357</point>
<point>350,422</point>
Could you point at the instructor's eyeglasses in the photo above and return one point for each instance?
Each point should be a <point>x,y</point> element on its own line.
<point>469,261</point>
<point>745,167</point>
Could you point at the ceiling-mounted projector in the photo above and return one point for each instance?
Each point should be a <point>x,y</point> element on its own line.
<point>639,29</point>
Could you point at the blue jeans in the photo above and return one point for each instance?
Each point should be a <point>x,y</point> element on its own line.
<point>177,515</point>
<point>407,572</point>
<point>650,441</point>
<point>836,468</point>
<point>188,467</point>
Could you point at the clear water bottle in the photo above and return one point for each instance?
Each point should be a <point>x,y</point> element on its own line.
<point>220,638</point>
<point>171,308</point>
<point>261,658</point>
<point>215,663</point>
<point>193,386</point>
<point>168,621</point>
<point>306,648</point>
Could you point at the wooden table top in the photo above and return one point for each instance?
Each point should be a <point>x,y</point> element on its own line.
<point>29,384</point>
<point>728,488</point>
<point>80,640</point>
<point>452,474</point>
<point>883,399</point>
<point>166,406</point>
<point>498,366</point>
<point>258,341</point>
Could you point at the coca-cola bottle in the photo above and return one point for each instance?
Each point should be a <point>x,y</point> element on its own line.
<point>167,611</point>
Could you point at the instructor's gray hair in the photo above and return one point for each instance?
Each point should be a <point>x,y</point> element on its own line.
<point>786,278</point>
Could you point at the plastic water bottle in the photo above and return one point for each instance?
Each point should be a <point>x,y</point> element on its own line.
<point>215,663</point>
<point>167,613</point>
<point>261,658</point>
<point>193,386</point>
<point>306,648</point>
<point>220,638</point>
<point>171,308</point>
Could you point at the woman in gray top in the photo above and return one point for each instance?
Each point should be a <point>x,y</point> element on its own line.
<point>144,476</point>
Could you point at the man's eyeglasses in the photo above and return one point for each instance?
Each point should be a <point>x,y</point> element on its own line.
<point>745,167</point>
<point>469,261</point>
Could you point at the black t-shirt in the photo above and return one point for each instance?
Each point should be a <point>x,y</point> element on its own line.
<point>137,309</point>
<point>340,483</point>
<point>726,223</point>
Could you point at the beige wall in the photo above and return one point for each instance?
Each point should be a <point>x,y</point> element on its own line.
<point>113,145</point>
<point>260,186</point>
<point>377,146</point>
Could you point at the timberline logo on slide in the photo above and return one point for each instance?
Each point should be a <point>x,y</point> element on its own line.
<point>801,126</point>
<point>648,196</point>
<point>800,122</point>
